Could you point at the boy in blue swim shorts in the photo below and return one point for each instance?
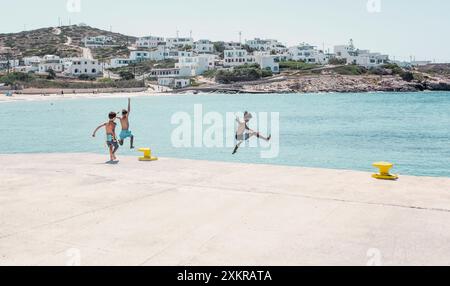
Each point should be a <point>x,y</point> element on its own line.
<point>124,121</point>
<point>111,141</point>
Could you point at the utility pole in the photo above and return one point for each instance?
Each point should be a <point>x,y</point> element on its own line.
<point>240,37</point>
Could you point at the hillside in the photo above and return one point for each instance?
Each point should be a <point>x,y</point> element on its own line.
<point>64,41</point>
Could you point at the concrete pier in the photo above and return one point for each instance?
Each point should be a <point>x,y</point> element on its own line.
<point>73,209</point>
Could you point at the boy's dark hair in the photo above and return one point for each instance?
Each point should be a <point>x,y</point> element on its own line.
<point>124,112</point>
<point>112,115</point>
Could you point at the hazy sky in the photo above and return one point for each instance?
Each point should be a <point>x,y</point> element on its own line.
<point>402,28</point>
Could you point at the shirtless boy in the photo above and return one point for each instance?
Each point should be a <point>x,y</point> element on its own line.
<point>244,133</point>
<point>124,121</point>
<point>111,140</point>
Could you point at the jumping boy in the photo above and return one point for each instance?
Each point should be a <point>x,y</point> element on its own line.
<point>111,139</point>
<point>126,133</point>
<point>244,133</point>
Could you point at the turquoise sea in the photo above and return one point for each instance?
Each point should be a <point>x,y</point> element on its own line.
<point>339,131</point>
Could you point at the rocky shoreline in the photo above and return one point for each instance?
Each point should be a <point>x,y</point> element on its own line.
<point>327,83</point>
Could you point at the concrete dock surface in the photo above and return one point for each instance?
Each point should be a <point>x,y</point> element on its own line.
<point>73,209</point>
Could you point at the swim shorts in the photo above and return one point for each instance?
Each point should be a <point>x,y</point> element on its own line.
<point>124,134</point>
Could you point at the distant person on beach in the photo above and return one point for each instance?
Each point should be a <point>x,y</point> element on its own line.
<point>124,121</point>
<point>244,133</point>
<point>111,140</point>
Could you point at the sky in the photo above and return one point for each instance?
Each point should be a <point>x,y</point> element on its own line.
<point>400,28</point>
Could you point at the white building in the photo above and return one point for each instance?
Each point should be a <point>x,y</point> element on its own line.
<point>29,61</point>
<point>149,42</point>
<point>232,46</point>
<point>81,66</point>
<point>138,56</point>
<point>308,54</point>
<point>267,45</point>
<point>98,41</point>
<point>175,55</point>
<point>197,64</point>
<point>4,64</point>
<point>50,62</point>
<point>170,72</point>
<point>233,58</point>
<point>204,47</point>
<point>360,57</point>
<point>159,54</point>
<point>178,43</point>
<point>174,82</point>
<point>119,62</point>
<point>266,61</point>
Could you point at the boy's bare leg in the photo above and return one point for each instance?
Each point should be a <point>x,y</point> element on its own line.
<point>111,153</point>
<point>237,147</point>
<point>121,142</point>
<point>262,137</point>
<point>132,142</point>
<point>116,147</point>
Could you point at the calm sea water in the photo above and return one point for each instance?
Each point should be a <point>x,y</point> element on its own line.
<point>341,131</point>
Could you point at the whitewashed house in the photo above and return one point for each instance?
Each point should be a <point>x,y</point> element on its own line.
<point>197,64</point>
<point>308,54</point>
<point>98,41</point>
<point>174,82</point>
<point>178,43</point>
<point>158,54</point>
<point>360,57</point>
<point>266,61</point>
<point>50,62</point>
<point>119,62</point>
<point>138,56</point>
<point>267,45</point>
<point>81,66</point>
<point>204,47</point>
<point>149,42</point>
<point>29,61</point>
<point>233,58</point>
<point>172,77</point>
<point>4,64</point>
<point>175,54</point>
<point>232,45</point>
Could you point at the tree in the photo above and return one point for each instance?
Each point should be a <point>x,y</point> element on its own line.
<point>126,75</point>
<point>51,74</point>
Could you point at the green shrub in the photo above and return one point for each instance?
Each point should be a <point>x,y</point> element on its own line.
<point>394,68</point>
<point>51,74</point>
<point>266,73</point>
<point>241,73</point>
<point>126,75</point>
<point>210,73</point>
<point>16,77</point>
<point>350,70</point>
<point>407,76</point>
<point>336,61</point>
<point>86,77</point>
<point>294,65</point>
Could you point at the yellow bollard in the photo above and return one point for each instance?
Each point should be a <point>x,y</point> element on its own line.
<point>147,155</point>
<point>384,174</point>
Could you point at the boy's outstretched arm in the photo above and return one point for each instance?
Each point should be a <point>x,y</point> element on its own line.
<point>129,106</point>
<point>98,128</point>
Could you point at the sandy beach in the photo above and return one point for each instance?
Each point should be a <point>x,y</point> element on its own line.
<point>184,212</point>
<point>40,97</point>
